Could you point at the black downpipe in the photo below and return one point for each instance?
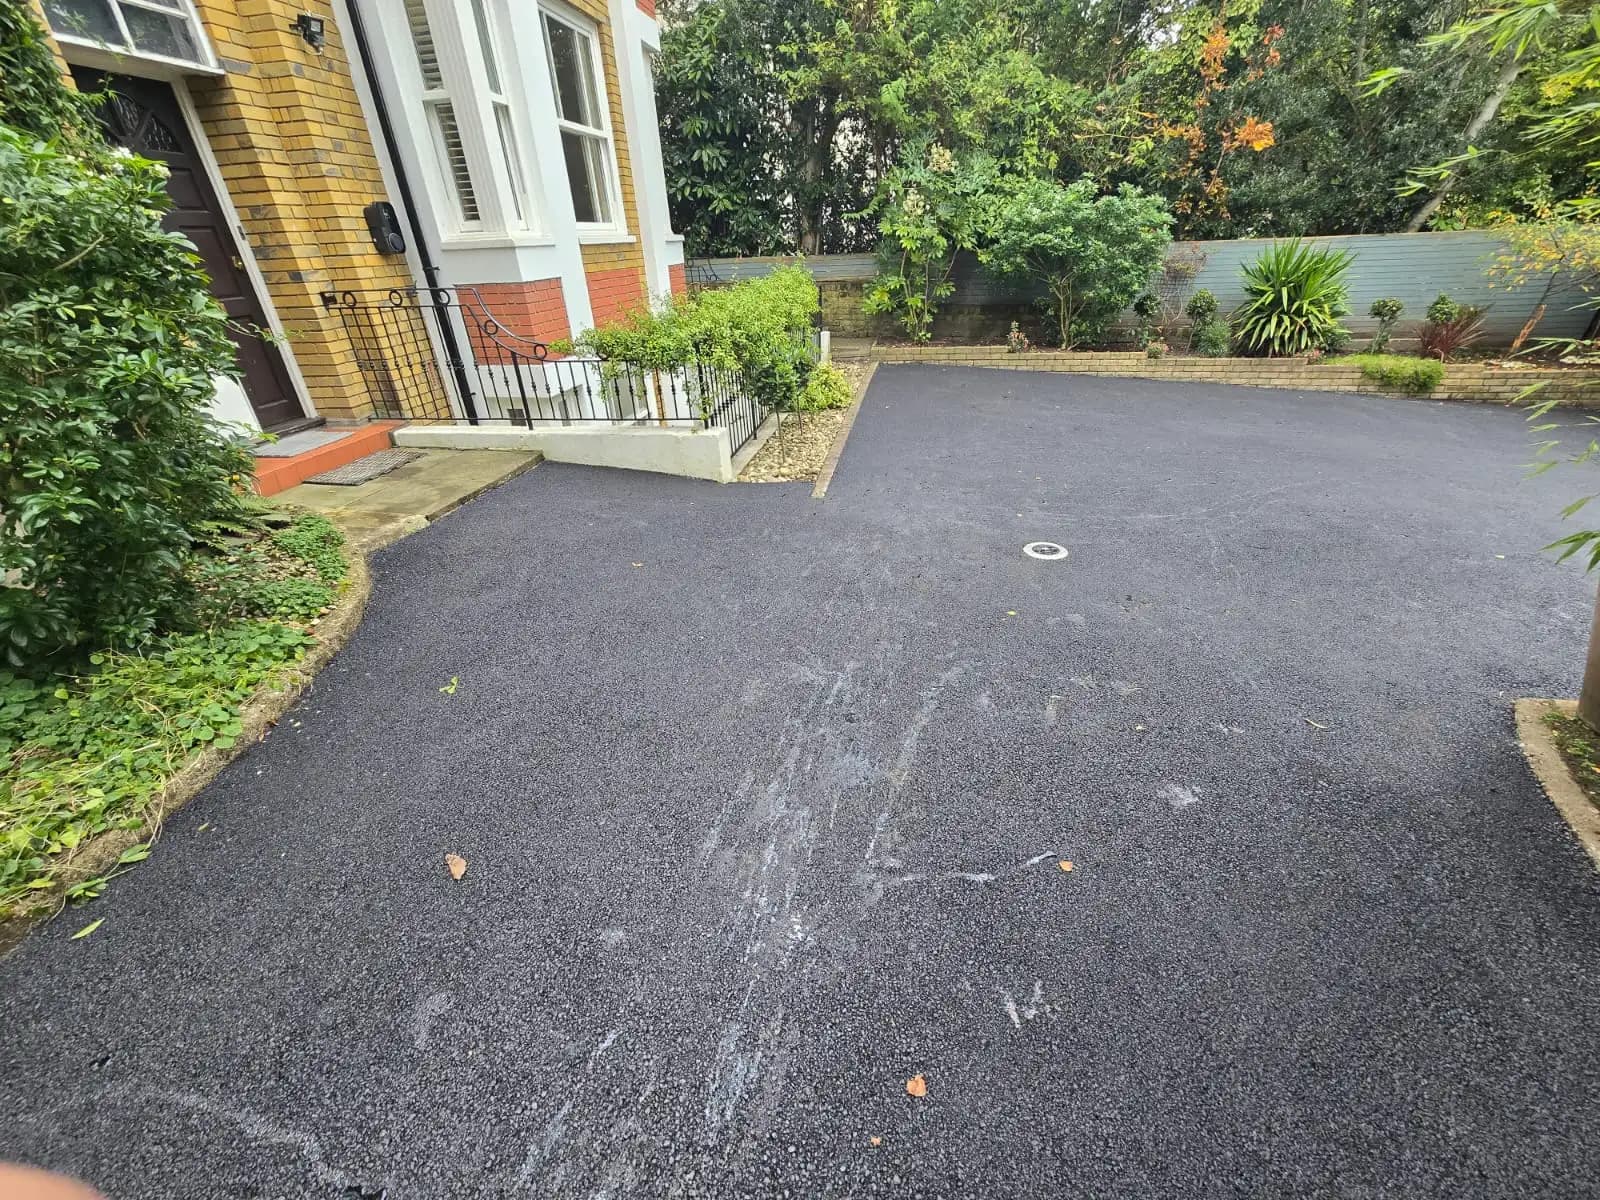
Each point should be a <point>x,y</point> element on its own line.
<point>430,271</point>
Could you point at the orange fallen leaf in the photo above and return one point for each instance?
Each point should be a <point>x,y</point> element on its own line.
<point>877,1141</point>
<point>457,865</point>
<point>1065,864</point>
<point>916,1086</point>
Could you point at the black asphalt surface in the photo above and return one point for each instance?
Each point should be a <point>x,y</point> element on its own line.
<point>763,800</point>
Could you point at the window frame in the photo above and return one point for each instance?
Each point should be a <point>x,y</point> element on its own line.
<point>184,9</point>
<point>435,99</point>
<point>616,227</point>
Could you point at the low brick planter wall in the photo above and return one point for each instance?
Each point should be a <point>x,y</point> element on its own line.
<point>1473,383</point>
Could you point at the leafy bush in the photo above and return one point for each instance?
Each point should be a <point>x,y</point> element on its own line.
<point>316,541</point>
<point>826,387</point>
<point>1337,341</point>
<point>89,753</point>
<point>1092,253</point>
<point>92,755</point>
<point>1399,371</point>
<point>1156,349</point>
<point>1202,308</point>
<point>929,209</point>
<point>753,327</point>
<point>1017,341</point>
<point>1295,295</point>
<point>1443,310</point>
<point>109,340</point>
<point>1213,339</point>
<point>1386,312</point>
<point>1450,327</point>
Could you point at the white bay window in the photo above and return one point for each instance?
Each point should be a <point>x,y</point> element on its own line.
<point>584,117</point>
<point>471,118</point>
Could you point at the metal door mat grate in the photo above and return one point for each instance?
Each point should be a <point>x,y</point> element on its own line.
<point>363,469</point>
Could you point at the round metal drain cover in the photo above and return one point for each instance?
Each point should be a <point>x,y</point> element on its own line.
<point>1048,551</point>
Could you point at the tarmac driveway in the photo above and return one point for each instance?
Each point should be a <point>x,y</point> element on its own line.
<point>764,801</point>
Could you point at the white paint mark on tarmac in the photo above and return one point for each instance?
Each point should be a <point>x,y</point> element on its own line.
<point>554,1129</point>
<point>1028,1009</point>
<point>255,1127</point>
<point>613,937</point>
<point>1179,796</point>
<point>429,1009</point>
<point>1052,709</point>
<point>605,1044</point>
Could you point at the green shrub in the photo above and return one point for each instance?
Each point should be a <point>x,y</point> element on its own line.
<point>1336,341</point>
<point>92,754</point>
<point>1202,308</point>
<point>1213,339</point>
<point>1094,254</point>
<point>316,541</point>
<point>1295,295</point>
<point>288,599</point>
<point>1443,310</point>
<point>110,462</point>
<point>758,327</point>
<point>929,208</point>
<point>1449,327</point>
<point>1156,349</point>
<point>827,387</point>
<point>1385,312</point>
<point>1399,371</point>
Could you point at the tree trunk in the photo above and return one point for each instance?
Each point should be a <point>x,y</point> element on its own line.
<point>1358,65</point>
<point>1485,114</point>
<point>816,132</point>
<point>1589,697</point>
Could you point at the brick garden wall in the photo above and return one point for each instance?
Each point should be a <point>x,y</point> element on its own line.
<point>1470,382</point>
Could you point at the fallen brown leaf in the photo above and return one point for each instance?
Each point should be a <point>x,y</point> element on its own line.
<point>457,865</point>
<point>877,1141</point>
<point>916,1086</point>
<point>1065,864</point>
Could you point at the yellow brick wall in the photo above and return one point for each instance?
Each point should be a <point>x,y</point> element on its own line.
<point>299,163</point>
<point>616,256</point>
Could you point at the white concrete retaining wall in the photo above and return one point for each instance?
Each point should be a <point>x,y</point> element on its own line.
<point>696,453</point>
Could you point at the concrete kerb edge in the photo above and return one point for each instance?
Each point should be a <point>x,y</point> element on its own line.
<point>260,713</point>
<point>825,476</point>
<point>1550,769</point>
<point>758,439</point>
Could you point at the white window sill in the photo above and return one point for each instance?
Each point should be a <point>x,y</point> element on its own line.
<point>605,237</point>
<point>492,241</point>
<point>673,239</point>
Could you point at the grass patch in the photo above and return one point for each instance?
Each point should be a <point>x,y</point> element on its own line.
<point>1580,747</point>
<point>1398,370</point>
<point>90,752</point>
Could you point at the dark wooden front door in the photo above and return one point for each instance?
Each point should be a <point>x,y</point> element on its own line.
<point>144,116</point>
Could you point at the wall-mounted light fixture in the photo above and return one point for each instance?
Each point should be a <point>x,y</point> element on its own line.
<point>312,29</point>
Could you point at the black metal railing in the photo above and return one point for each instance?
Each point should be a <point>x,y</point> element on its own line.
<point>502,376</point>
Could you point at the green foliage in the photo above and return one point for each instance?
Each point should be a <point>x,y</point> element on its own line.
<point>760,327</point>
<point>32,99</point>
<point>1294,296</point>
<point>1386,312</point>
<point>91,754</point>
<point>109,340</point>
<point>1156,349</point>
<point>1443,310</point>
<point>1202,308</point>
<point>1017,341</point>
<point>826,387</point>
<point>1093,253</point>
<point>931,208</point>
<point>316,541</point>
<point>1399,371</point>
<point>1450,327</point>
<point>1213,339</point>
<point>1580,746</point>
